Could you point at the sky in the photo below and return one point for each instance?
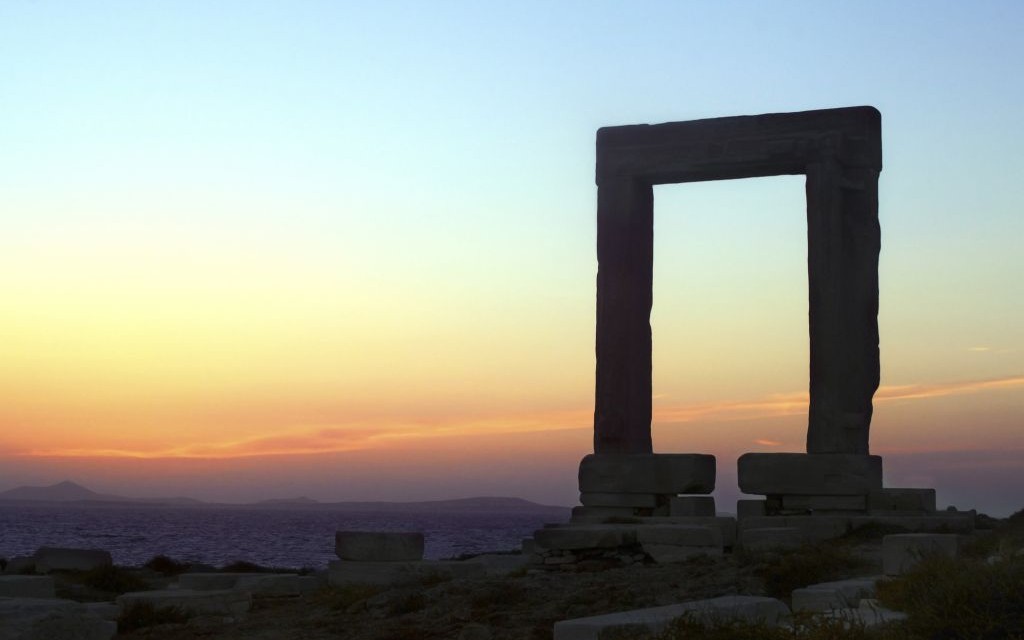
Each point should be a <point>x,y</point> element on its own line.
<point>346,250</point>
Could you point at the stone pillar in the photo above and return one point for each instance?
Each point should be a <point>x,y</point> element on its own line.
<point>625,240</point>
<point>843,242</point>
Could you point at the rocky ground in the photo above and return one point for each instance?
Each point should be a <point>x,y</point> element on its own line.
<point>522,605</point>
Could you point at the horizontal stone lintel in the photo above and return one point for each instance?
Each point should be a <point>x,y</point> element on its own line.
<point>740,146</point>
<point>809,474</point>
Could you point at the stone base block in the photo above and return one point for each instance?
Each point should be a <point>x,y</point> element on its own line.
<point>646,622</point>
<point>725,524</point>
<point>27,587</point>
<point>831,596</point>
<point>669,553</point>
<point>901,552</point>
<point>803,474</point>
<point>816,528</point>
<point>346,572</point>
<point>890,499</point>
<point>49,559</point>
<point>619,500</point>
<point>684,506</point>
<point>588,514</point>
<point>655,473</point>
<point>750,508</point>
<point>824,503</point>
<point>224,602</point>
<point>369,546</point>
<point>586,537</point>
<point>680,535</point>
<point>771,538</point>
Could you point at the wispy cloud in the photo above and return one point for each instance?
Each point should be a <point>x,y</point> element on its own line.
<point>341,437</point>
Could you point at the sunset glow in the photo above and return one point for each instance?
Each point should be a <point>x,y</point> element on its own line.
<point>348,251</point>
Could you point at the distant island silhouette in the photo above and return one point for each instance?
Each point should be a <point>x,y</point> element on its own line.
<point>71,493</point>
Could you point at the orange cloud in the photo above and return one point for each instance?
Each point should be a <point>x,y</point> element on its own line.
<point>343,437</point>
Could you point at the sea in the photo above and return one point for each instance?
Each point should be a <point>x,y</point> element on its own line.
<point>292,538</point>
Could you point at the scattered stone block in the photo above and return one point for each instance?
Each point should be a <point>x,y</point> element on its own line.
<point>831,596</point>
<point>680,535</point>
<point>586,536</point>
<point>669,553</point>
<point>225,602</point>
<point>49,559</point>
<point>771,538</point>
<point>750,508</point>
<point>45,618</point>
<point>345,572</point>
<point>684,506</point>
<point>746,608</point>
<point>825,503</point>
<point>635,500</point>
<point>365,546</point>
<point>913,500</point>
<point>823,474</point>
<point>655,473</point>
<point>27,587</point>
<point>901,552</point>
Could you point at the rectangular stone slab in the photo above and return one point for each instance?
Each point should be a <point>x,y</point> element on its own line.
<point>691,506</point>
<point>825,503</point>
<point>638,500</point>
<point>807,474</point>
<point>892,499</point>
<point>658,473</point>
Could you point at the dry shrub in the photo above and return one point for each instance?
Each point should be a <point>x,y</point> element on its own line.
<point>947,597</point>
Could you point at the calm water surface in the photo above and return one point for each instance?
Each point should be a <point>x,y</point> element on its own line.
<point>286,538</point>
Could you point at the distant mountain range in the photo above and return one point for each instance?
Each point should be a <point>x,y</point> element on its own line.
<point>67,493</point>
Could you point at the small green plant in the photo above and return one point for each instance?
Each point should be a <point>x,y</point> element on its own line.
<point>166,566</point>
<point>143,614</point>
<point>112,579</point>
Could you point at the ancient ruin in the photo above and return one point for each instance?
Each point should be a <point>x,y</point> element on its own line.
<point>836,485</point>
<point>840,151</point>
